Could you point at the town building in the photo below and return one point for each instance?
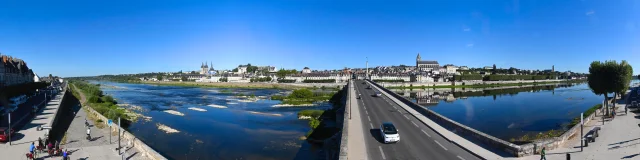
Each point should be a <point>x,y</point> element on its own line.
<point>306,70</point>
<point>426,65</point>
<point>242,69</point>
<point>14,71</point>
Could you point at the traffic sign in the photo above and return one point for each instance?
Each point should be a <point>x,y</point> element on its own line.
<point>109,122</point>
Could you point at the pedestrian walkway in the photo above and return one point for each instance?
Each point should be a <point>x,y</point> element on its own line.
<point>356,145</point>
<point>23,138</point>
<point>618,139</point>
<point>102,145</point>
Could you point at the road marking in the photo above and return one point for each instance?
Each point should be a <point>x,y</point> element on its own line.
<point>368,118</point>
<point>381,152</point>
<point>405,116</point>
<point>426,133</point>
<point>371,125</point>
<point>440,145</point>
<point>414,124</point>
<point>461,158</point>
<point>365,111</point>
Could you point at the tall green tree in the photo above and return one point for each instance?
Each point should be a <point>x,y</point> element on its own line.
<point>609,77</point>
<point>625,73</point>
<point>159,77</point>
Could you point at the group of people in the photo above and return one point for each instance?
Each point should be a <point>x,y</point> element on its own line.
<point>51,147</point>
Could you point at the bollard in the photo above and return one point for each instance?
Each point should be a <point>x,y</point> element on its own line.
<point>586,142</point>
<point>568,156</point>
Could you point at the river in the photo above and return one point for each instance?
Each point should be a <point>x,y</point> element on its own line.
<point>215,123</point>
<point>509,113</point>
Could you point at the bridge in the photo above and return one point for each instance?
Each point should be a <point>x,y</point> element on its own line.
<point>420,137</point>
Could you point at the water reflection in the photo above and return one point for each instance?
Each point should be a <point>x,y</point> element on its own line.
<point>508,112</point>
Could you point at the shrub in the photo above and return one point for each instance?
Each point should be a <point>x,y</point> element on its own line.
<point>286,80</point>
<point>277,97</point>
<point>314,123</point>
<point>313,113</point>
<point>301,93</point>
<point>319,81</point>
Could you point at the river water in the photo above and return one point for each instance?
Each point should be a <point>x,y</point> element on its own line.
<point>509,113</point>
<point>221,126</point>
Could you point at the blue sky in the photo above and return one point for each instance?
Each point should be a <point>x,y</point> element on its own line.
<point>82,38</point>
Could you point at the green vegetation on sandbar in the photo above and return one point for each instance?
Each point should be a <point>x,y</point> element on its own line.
<point>319,131</point>
<point>304,96</point>
<point>313,113</point>
<point>485,85</point>
<point>102,104</point>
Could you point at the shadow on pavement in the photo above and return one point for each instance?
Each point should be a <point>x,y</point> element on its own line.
<point>132,155</point>
<point>376,135</point>
<point>16,136</point>
<point>624,141</point>
<point>630,156</point>
<point>95,138</point>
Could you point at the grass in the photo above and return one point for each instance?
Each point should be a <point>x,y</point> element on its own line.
<point>482,85</point>
<point>589,111</point>
<point>553,133</point>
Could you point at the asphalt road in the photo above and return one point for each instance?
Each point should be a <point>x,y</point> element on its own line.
<point>417,141</point>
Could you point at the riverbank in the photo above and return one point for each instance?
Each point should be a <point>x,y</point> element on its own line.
<point>502,84</point>
<point>227,85</point>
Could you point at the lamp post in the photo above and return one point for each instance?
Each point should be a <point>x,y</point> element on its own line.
<point>367,74</point>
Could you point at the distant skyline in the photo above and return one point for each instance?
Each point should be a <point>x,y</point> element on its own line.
<point>86,38</point>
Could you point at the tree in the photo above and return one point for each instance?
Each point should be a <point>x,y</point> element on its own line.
<point>184,78</point>
<point>193,72</point>
<point>608,77</point>
<point>494,69</point>
<point>235,70</point>
<point>281,73</point>
<point>159,77</point>
<point>625,72</point>
<point>50,76</point>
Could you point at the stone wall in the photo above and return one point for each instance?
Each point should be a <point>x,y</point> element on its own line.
<point>428,84</point>
<point>345,125</point>
<point>143,148</point>
<point>502,145</point>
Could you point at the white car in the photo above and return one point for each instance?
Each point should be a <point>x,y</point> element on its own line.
<point>378,94</point>
<point>389,132</point>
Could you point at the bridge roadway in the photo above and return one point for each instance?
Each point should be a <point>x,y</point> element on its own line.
<point>417,141</point>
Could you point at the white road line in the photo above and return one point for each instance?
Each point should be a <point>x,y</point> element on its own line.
<point>381,152</point>
<point>405,116</point>
<point>414,124</point>
<point>426,133</point>
<point>365,111</point>
<point>440,145</point>
<point>368,117</point>
<point>371,125</point>
<point>461,158</point>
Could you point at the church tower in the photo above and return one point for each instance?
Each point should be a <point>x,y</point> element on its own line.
<point>418,58</point>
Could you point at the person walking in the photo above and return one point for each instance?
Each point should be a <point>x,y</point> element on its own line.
<point>543,153</point>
